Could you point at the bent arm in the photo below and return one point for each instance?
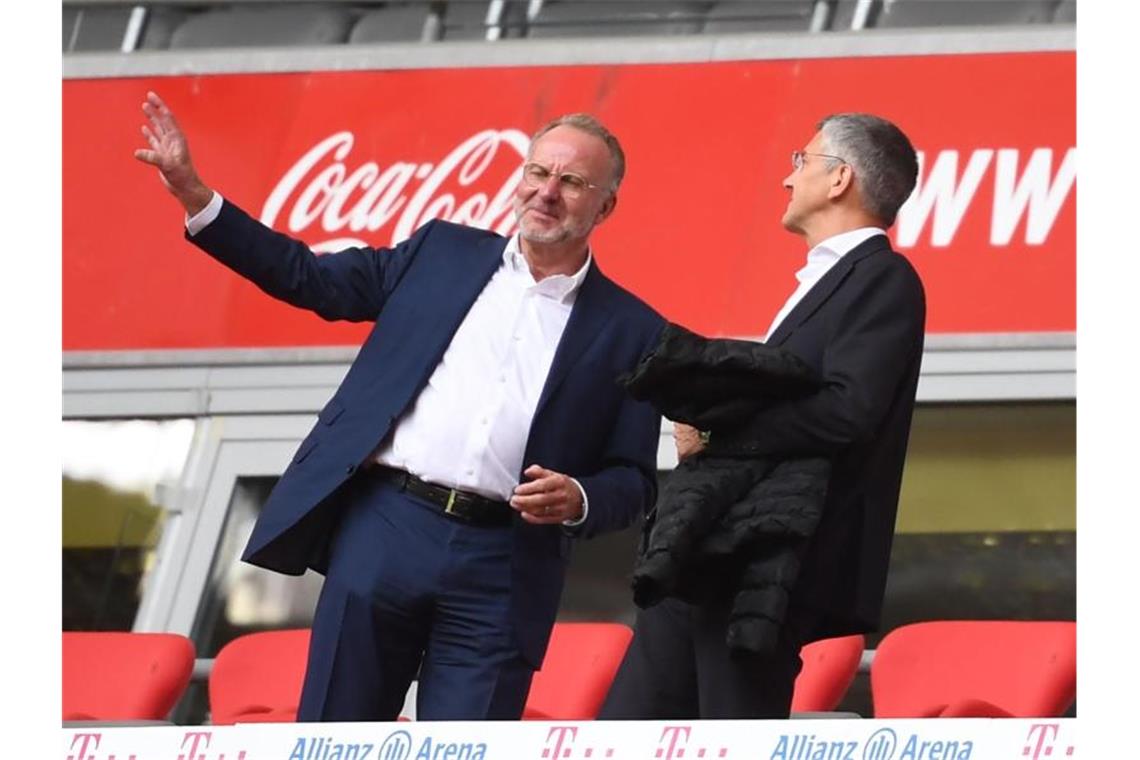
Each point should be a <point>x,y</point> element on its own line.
<point>878,334</point>
<point>624,489</point>
<point>350,285</point>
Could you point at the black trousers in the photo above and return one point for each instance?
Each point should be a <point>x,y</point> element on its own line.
<point>678,667</point>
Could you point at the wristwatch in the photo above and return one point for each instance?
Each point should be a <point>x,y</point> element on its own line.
<point>704,436</point>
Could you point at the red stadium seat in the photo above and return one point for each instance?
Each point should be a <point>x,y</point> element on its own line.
<point>976,668</point>
<point>829,668</point>
<point>576,674</point>
<point>257,678</point>
<point>120,676</point>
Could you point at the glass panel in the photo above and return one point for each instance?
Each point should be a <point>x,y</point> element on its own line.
<point>241,598</point>
<point>975,468</point>
<point>113,476</point>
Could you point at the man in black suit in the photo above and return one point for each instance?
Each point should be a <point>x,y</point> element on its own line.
<point>857,318</point>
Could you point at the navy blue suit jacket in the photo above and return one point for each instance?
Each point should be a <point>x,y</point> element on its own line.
<point>418,293</point>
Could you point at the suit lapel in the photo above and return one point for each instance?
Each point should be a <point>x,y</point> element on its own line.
<point>587,318</point>
<point>471,281</point>
<point>425,311</point>
<point>823,289</point>
<point>455,288</point>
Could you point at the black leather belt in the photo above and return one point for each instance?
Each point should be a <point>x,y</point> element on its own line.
<point>463,506</point>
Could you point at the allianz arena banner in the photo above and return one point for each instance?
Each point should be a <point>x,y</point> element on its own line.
<point>956,739</point>
<point>345,158</point>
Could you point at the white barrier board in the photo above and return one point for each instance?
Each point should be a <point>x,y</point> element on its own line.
<point>950,739</point>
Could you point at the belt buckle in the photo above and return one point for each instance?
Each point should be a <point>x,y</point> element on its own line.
<point>450,508</point>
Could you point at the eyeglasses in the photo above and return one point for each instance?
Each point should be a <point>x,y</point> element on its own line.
<point>798,158</point>
<point>569,184</point>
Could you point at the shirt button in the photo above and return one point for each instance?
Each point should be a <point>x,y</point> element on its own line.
<point>470,472</point>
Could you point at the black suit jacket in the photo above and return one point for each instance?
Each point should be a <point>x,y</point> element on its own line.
<point>861,328</point>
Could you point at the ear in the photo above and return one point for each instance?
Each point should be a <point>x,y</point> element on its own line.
<point>842,181</point>
<point>607,208</point>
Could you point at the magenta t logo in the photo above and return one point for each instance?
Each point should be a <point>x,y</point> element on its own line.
<point>561,737</point>
<point>1041,740</point>
<point>85,740</point>
<point>195,738</point>
<point>672,741</point>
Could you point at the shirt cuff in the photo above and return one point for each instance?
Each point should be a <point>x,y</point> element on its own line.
<point>585,507</point>
<point>198,222</point>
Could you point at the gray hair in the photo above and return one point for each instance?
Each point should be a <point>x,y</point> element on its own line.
<point>584,122</point>
<point>885,164</point>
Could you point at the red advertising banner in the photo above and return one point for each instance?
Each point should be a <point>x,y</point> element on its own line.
<point>342,158</point>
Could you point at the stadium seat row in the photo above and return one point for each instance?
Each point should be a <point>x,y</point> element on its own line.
<point>921,670</point>
<point>101,26</point>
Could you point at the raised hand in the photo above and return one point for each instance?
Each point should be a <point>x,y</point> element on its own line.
<point>170,154</point>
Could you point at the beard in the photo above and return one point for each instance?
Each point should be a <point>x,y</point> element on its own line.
<point>568,229</point>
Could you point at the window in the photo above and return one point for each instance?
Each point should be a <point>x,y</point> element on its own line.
<point>115,477</point>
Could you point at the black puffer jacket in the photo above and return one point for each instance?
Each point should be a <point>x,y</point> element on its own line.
<point>727,526</point>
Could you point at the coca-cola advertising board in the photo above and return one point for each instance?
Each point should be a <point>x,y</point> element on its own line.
<point>365,157</point>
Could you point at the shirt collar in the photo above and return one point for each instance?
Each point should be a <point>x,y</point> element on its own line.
<point>826,253</point>
<point>560,287</point>
<point>840,245</point>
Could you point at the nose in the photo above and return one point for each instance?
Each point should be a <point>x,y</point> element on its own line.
<point>788,181</point>
<point>551,188</point>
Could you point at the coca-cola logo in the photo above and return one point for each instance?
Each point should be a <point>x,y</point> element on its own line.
<point>334,202</point>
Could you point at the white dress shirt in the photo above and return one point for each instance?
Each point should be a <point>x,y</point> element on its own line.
<point>821,258</point>
<point>468,428</point>
<point>198,222</point>
<point>469,425</point>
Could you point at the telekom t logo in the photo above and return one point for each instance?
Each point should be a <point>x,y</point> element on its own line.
<point>560,741</point>
<point>90,741</point>
<point>562,737</point>
<point>85,741</point>
<point>1041,741</point>
<point>201,740</point>
<point>195,738</point>
<point>673,741</point>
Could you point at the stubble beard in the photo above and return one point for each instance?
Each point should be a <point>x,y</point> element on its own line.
<point>563,232</point>
<point>531,235</point>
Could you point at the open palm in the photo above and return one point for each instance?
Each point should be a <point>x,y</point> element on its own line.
<point>169,151</point>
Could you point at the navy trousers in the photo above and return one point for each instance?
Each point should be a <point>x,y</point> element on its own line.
<point>409,590</point>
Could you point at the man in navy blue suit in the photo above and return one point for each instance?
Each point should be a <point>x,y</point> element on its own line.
<point>479,429</point>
